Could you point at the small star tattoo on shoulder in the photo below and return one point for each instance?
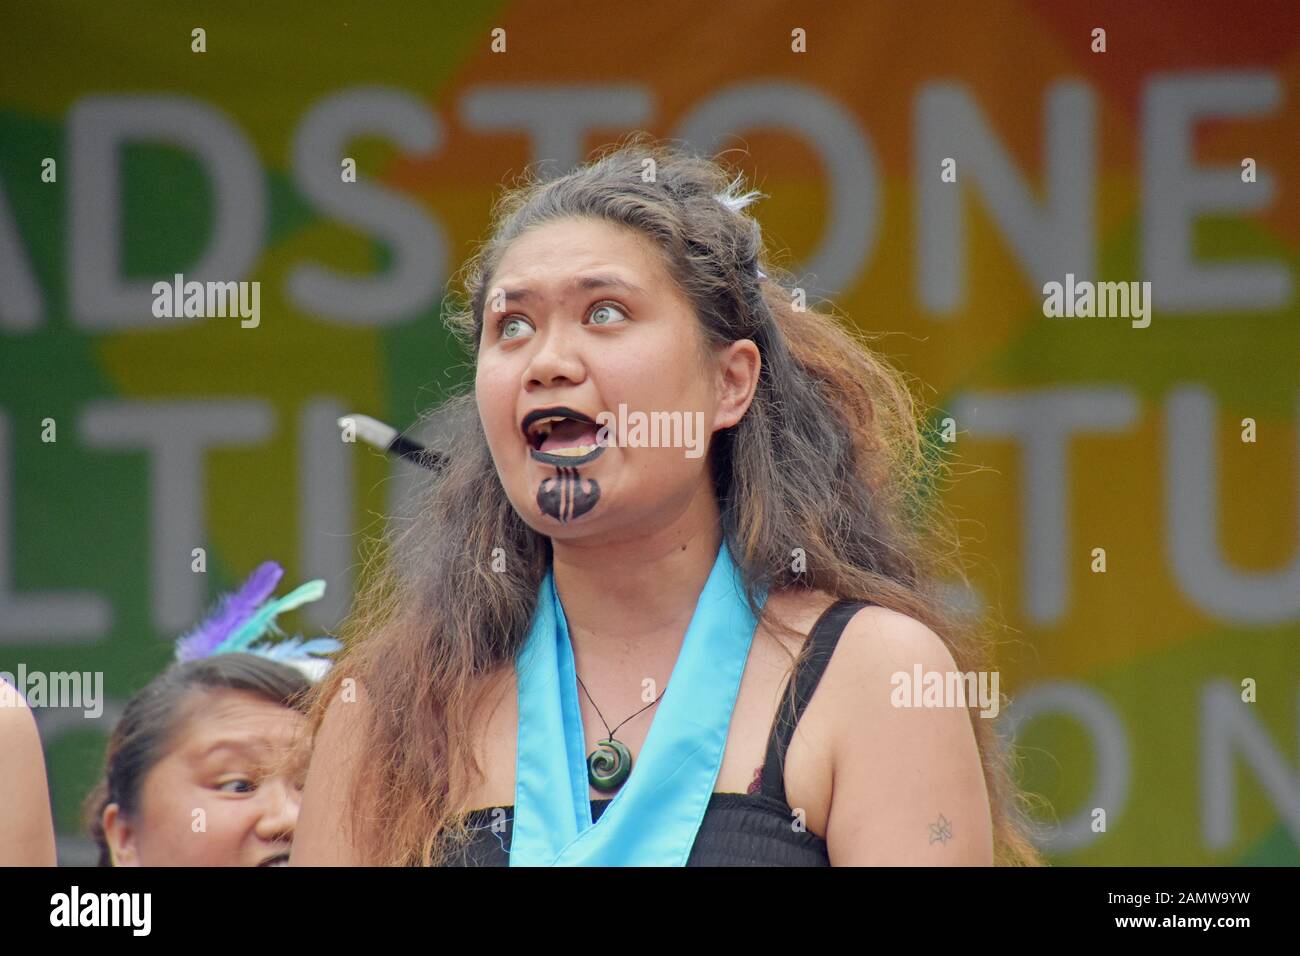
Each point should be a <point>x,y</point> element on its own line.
<point>941,832</point>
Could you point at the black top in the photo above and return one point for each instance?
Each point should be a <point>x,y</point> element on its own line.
<point>738,829</point>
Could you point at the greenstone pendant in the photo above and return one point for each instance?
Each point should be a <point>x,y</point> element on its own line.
<point>609,765</point>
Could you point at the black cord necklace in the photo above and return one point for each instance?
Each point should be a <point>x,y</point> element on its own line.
<point>611,762</point>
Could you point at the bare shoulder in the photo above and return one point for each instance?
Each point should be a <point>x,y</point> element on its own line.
<point>877,644</point>
<point>322,836</point>
<point>908,781</point>
<point>878,640</point>
<point>14,712</point>
<point>876,647</point>
<point>26,826</point>
<point>874,639</point>
<point>20,742</point>
<point>18,735</point>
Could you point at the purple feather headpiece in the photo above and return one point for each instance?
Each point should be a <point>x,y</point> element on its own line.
<point>233,610</point>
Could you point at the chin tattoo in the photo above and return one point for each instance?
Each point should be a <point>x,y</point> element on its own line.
<point>566,496</point>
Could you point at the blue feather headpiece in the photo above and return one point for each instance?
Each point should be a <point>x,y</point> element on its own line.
<point>241,619</point>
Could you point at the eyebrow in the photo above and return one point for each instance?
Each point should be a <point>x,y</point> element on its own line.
<point>251,748</point>
<point>582,283</point>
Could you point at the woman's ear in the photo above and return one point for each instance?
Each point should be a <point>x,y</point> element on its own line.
<point>739,365</point>
<point>120,837</point>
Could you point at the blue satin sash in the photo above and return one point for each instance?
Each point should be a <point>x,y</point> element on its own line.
<point>653,818</point>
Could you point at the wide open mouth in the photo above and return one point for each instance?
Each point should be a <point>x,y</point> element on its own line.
<point>562,436</point>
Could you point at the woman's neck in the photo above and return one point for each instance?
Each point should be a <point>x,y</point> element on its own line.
<point>632,599</point>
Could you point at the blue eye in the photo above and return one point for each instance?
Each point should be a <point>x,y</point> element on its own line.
<point>607,306</point>
<point>225,786</point>
<point>507,323</point>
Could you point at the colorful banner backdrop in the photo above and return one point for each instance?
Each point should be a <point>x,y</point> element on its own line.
<point>932,167</point>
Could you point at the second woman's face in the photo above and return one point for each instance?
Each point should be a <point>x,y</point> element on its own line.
<point>583,327</point>
<point>220,796</point>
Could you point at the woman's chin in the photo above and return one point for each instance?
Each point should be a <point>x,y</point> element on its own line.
<point>564,518</point>
<point>558,497</point>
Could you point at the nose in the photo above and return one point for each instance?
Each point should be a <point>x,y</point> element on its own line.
<point>554,361</point>
<point>279,815</point>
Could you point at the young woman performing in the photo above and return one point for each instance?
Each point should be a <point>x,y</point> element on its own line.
<point>588,648</point>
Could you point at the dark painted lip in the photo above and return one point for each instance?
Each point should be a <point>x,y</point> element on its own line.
<point>546,458</point>
<point>274,859</point>
<point>564,410</point>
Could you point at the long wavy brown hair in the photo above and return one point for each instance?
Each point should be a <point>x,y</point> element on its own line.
<point>433,618</point>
